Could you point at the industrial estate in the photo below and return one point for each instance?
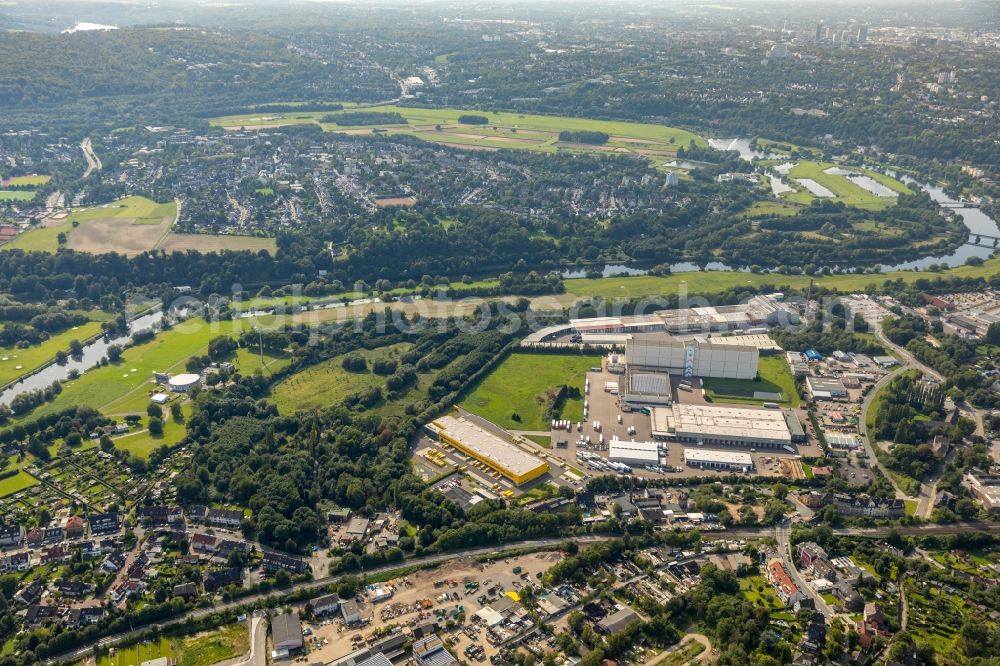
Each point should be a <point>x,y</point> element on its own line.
<point>521,333</point>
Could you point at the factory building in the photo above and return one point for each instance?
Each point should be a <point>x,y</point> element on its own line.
<point>636,388</point>
<point>826,388</point>
<point>496,453</point>
<point>728,426</point>
<point>693,358</point>
<point>758,311</point>
<point>709,459</point>
<point>634,453</point>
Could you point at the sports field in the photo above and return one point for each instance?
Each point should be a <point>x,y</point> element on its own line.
<point>520,131</point>
<point>16,362</point>
<point>828,176</point>
<point>129,226</point>
<point>522,385</point>
<point>17,195</point>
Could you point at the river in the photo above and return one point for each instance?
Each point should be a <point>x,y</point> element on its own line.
<point>91,355</point>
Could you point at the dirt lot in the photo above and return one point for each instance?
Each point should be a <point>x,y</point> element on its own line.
<point>396,201</point>
<point>213,243</point>
<point>416,598</point>
<point>118,234</point>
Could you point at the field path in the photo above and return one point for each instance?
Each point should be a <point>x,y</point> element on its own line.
<point>166,232</point>
<point>93,161</point>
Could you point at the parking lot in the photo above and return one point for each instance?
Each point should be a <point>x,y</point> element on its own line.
<point>604,408</point>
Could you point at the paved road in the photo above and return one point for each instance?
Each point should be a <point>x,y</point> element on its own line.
<point>258,644</point>
<point>706,655</point>
<point>868,438</point>
<point>93,161</point>
<point>78,653</point>
<point>782,534</point>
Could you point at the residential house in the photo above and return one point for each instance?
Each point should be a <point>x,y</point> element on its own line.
<point>869,507</point>
<point>37,615</point>
<point>56,553</point>
<point>782,583</point>
<point>53,535</point>
<point>113,562</point>
<point>810,551</point>
<point>273,561</point>
<point>160,515</point>
<point>185,590</point>
<point>218,579</point>
<point>34,537</point>
<point>227,518</point>
<point>849,596</point>
<point>104,523</point>
<point>16,562</point>
<point>326,605</point>
<point>11,536</point>
<point>84,615</point>
<point>203,543</point>
<point>617,621</point>
<point>72,588</point>
<point>74,527</point>
<point>30,593</point>
<point>197,513</point>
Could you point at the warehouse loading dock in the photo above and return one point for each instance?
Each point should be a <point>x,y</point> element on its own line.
<point>504,457</point>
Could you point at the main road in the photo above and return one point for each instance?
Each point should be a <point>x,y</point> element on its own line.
<point>84,650</point>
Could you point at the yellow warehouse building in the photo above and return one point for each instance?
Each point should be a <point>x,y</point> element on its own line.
<point>502,456</point>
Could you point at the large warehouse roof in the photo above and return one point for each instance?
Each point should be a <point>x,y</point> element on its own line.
<point>647,453</point>
<point>512,459</point>
<point>722,422</point>
<point>714,456</point>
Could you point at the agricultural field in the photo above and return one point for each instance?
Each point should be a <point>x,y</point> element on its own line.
<point>216,243</point>
<point>129,226</point>
<point>775,377</point>
<point>15,363</point>
<point>827,180</point>
<point>328,383</point>
<point>657,143</point>
<point>524,383</point>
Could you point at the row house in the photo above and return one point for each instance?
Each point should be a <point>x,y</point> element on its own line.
<point>72,588</point>
<point>228,518</point>
<point>160,515</point>
<point>56,553</point>
<point>273,561</point>
<point>216,579</point>
<point>113,562</point>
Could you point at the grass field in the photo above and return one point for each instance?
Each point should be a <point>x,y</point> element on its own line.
<point>130,226</point>
<point>134,655</point>
<point>33,180</point>
<point>534,132</point>
<point>17,195</point>
<point>775,377</point>
<point>142,443</point>
<point>16,363</point>
<point>710,282</point>
<point>203,649</point>
<point>845,190</point>
<point>758,592</point>
<point>520,385</point>
<point>124,387</point>
<point>216,243</point>
<point>19,481</point>
<point>328,383</point>
<point>770,209</point>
